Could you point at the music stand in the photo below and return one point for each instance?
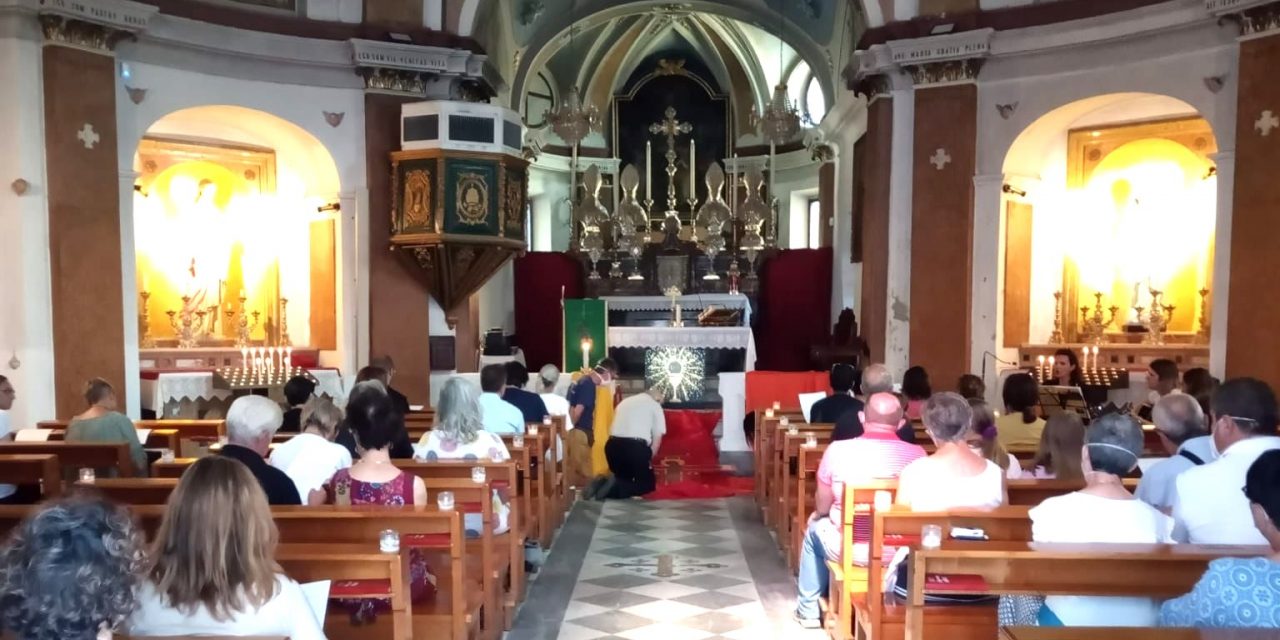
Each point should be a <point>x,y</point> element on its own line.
<point>1056,399</point>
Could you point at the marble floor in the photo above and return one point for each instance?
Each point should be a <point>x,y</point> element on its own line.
<point>669,570</point>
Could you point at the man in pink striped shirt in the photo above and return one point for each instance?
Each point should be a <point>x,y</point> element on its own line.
<point>878,453</point>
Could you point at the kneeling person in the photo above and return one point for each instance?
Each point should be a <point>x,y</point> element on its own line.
<point>638,427</point>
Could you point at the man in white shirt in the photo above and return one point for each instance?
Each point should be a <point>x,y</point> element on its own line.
<point>1209,506</point>
<point>637,430</point>
<point>498,415</point>
<point>1180,423</point>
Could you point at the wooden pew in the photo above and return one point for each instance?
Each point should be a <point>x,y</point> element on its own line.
<point>76,455</point>
<point>849,580</point>
<point>763,450</point>
<point>1031,492</point>
<point>789,446</point>
<point>1132,633</point>
<point>175,469</point>
<point>776,432</point>
<point>899,526</point>
<point>156,439</point>
<point>32,469</point>
<point>132,491</point>
<point>536,497</point>
<point>501,555</point>
<point>1152,570</point>
<point>806,487</point>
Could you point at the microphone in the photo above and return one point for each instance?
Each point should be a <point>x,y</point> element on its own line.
<point>988,354</point>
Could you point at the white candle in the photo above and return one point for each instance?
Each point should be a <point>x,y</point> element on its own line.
<point>648,170</point>
<point>693,168</point>
<point>586,353</point>
<point>288,357</point>
<point>1040,367</point>
<point>244,358</point>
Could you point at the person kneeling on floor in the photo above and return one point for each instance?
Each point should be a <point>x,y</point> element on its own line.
<point>638,427</point>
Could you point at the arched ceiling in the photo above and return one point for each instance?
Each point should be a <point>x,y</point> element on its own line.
<point>745,45</point>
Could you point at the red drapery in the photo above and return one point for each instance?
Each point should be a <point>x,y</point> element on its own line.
<point>539,278</point>
<point>766,387</point>
<point>689,438</point>
<point>795,308</point>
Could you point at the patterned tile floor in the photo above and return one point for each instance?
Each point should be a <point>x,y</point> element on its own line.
<point>672,570</point>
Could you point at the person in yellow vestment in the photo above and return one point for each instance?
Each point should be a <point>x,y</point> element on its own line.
<point>583,407</point>
<point>600,429</point>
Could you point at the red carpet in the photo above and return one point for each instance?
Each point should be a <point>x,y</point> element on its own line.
<point>705,483</point>
<point>688,464</point>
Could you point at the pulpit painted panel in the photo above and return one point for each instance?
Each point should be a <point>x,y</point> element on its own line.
<point>471,197</point>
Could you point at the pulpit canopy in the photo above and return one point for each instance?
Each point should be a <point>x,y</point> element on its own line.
<point>459,188</point>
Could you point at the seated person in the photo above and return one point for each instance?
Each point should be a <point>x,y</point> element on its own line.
<point>1058,455</point>
<point>1021,426</point>
<point>312,457</point>
<point>954,476</point>
<point>1103,512</point>
<point>388,367</point>
<point>1240,592</point>
<point>499,415</point>
<point>212,570</point>
<point>459,434</point>
<point>1162,380</point>
<point>971,387</point>
<point>1180,422</point>
<point>875,379</point>
<point>878,453</point>
<point>916,387</point>
<point>530,404</point>
<point>635,435</point>
<point>401,445</point>
<point>296,392</point>
<point>251,421</point>
<point>841,401</point>
<point>102,423</point>
<point>70,570</point>
<point>982,440</point>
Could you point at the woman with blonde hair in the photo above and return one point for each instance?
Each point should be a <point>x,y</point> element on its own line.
<point>102,423</point>
<point>212,569</point>
<point>312,457</point>
<point>1060,446</point>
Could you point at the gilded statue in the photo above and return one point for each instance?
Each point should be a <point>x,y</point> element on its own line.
<point>632,220</point>
<point>754,211</point>
<point>592,216</point>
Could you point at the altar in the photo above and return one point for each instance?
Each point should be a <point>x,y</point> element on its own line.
<point>705,338</point>
<point>693,304</point>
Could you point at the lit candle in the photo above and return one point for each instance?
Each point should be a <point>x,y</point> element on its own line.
<point>288,357</point>
<point>693,167</point>
<point>648,170</point>
<point>586,352</point>
<point>1040,368</point>
<point>144,282</point>
<point>1095,357</point>
<point>244,358</point>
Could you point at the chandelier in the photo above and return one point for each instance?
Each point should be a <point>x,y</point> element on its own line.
<point>780,121</point>
<point>571,121</point>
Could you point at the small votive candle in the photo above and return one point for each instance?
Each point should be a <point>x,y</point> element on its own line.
<point>389,541</point>
<point>477,474</point>
<point>445,501</point>
<point>768,413</point>
<point>532,431</point>
<point>777,406</point>
<point>518,441</point>
<point>931,536</point>
<point>87,475</point>
<point>166,455</point>
<point>811,441</point>
<point>883,500</point>
<point>546,420</point>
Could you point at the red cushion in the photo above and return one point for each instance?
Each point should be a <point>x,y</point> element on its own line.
<point>689,438</point>
<point>360,589</point>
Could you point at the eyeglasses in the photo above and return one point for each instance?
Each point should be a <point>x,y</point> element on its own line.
<point>1235,418</point>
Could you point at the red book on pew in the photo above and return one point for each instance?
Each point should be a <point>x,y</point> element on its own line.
<point>957,582</point>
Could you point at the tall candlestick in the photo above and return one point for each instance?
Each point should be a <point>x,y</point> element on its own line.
<point>1095,356</point>
<point>288,357</point>
<point>693,168</point>
<point>1040,368</point>
<point>586,352</point>
<point>244,358</point>
<point>648,170</point>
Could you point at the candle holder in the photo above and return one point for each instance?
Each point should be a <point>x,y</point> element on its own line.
<point>211,312</point>
<point>243,329</point>
<point>1093,326</point>
<point>186,324</point>
<point>1203,333</point>
<point>1056,336</point>
<point>285,340</point>
<point>615,268</point>
<point>145,339</point>
<point>1158,318</point>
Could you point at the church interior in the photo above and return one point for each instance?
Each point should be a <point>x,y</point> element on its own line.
<point>670,238</point>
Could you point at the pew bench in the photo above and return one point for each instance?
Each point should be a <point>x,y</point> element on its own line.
<point>32,469</point>
<point>72,456</point>
<point>791,446</point>
<point>1012,567</point>
<point>131,491</point>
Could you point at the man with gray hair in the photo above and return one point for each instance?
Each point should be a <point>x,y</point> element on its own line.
<point>1180,422</point>
<point>251,421</point>
<point>876,379</point>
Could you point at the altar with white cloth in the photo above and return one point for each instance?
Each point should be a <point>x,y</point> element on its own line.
<point>690,303</point>
<point>686,337</point>
<point>177,393</point>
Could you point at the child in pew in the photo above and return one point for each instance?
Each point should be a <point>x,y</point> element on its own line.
<point>1104,512</point>
<point>374,479</point>
<point>212,568</point>
<point>1240,592</point>
<point>70,570</point>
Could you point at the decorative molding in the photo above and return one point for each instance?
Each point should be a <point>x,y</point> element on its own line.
<point>333,118</point>
<point>1007,110</point>
<point>136,94</point>
<point>944,72</point>
<point>952,46</point>
<point>93,26</point>
<point>80,34</point>
<point>1266,122</point>
<point>1254,17</point>
<point>393,80</point>
<point>671,67</point>
<point>940,159</point>
<point>530,11</point>
<point>20,186</point>
<point>409,57</point>
<point>872,86</point>
<point>1223,7</point>
<point>89,138</point>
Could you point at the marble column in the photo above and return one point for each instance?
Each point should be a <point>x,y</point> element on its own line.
<point>875,175</point>
<point>987,277</point>
<point>84,217</point>
<point>897,301</point>
<point>1253,312</point>
<point>942,229</point>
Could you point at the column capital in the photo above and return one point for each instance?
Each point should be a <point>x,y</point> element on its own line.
<point>1254,17</point>
<point>943,59</point>
<point>410,69</point>
<point>96,26</point>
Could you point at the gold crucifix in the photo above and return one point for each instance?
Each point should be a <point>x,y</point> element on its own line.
<point>670,127</point>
